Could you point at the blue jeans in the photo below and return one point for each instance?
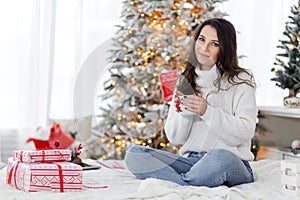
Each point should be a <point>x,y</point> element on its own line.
<point>212,169</point>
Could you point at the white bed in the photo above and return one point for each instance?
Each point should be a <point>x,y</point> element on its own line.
<point>123,185</point>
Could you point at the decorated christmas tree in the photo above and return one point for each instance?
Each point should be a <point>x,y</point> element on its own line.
<point>152,40</point>
<point>287,70</point>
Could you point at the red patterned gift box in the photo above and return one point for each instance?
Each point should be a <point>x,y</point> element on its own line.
<point>33,177</point>
<point>51,155</point>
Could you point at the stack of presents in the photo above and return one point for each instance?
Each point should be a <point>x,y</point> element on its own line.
<point>48,167</point>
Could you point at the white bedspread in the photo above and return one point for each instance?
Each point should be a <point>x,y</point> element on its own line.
<point>123,185</point>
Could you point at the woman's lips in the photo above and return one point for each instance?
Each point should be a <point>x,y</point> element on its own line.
<point>204,55</point>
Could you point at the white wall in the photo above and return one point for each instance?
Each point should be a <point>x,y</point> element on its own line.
<point>260,24</point>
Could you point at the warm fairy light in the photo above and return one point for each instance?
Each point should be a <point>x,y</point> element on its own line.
<point>276,70</point>
<point>173,26</point>
<point>128,9</point>
<point>142,15</point>
<point>149,141</point>
<point>131,2</point>
<point>125,59</point>
<point>137,141</point>
<point>118,137</point>
<point>153,81</point>
<point>129,125</point>
<point>136,63</point>
<point>112,140</point>
<point>119,117</point>
<point>143,90</point>
<point>113,83</point>
<point>119,94</point>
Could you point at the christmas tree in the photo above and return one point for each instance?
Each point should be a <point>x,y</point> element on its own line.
<point>152,41</point>
<point>287,74</point>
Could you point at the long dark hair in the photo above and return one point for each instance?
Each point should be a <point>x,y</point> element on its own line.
<point>227,61</point>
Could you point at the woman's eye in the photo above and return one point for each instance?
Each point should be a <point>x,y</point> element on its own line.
<point>201,38</point>
<point>215,44</point>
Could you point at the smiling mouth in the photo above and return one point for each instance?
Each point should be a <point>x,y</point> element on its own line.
<point>204,55</point>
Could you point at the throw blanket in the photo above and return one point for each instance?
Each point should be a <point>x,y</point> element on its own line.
<point>123,185</point>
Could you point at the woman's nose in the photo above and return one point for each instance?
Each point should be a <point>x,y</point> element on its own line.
<point>205,46</point>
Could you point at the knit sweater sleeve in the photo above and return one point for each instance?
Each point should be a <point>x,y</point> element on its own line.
<point>239,126</point>
<point>177,126</point>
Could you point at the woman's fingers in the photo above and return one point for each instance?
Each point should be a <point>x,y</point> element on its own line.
<point>179,93</point>
<point>194,103</point>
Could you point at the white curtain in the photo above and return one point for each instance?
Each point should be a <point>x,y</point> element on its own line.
<point>43,45</point>
<point>26,51</point>
<point>83,26</point>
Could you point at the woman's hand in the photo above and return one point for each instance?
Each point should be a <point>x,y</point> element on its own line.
<point>194,103</point>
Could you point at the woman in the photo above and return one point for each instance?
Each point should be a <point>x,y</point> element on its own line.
<point>216,138</point>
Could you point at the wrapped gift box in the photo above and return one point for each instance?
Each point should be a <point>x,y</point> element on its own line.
<point>51,155</point>
<point>33,177</point>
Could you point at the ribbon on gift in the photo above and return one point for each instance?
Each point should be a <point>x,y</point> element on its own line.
<point>21,156</point>
<point>43,154</point>
<point>13,172</point>
<point>61,181</point>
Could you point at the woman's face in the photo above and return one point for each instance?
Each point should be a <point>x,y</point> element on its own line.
<point>207,47</point>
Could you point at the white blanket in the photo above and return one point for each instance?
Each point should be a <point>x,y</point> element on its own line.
<point>123,185</point>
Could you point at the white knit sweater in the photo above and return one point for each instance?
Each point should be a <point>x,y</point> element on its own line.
<point>228,123</point>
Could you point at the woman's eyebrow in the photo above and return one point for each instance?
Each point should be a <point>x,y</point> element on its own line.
<point>211,40</point>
